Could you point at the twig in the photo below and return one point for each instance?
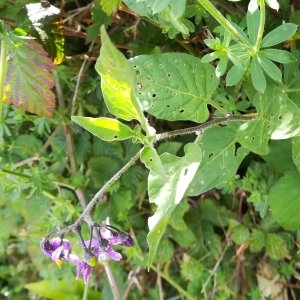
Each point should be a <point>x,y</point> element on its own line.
<point>214,270</point>
<point>98,196</point>
<point>201,127</point>
<point>77,11</point>
<point>86,59</point>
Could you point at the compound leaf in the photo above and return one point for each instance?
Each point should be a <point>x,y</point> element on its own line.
<point>174,86</point>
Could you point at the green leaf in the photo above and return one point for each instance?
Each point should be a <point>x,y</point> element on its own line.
<point>176,220</point>
<point>257,75</point>
<point>276,246</point>
<point>214,214</point>
<point>177,8</point>
<point>29,80</point>
<point>253,25</point>
<point>105,128</point>
<point>278,118</point>
<point>165,251</point>
<point>110,6</point>
<point>152,161</point>
<point>171,19</point>
<point>279,35</point>
<point>159,5</point>
<point>222,65</point>
<point>239,234</point>
<point>256,240</point>
<point>296,151</point>
<point>174,86</point>
<point>284,201</point>
<point>221,158</point>
<point>170,147</point>
<point>278,162</point>
<point>178,23</point>
<point>210,57</point>
<point>184,238</point>
<point>234,75</point>
<point>280,56</point>
<point>61,290</point>
<point>117,80</point>
<point>270,68</point>
<point>239,55</point>
<point>168,194</point>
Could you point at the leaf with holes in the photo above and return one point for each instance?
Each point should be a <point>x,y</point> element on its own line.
<point>222,155</point>
<point>278,118</point>
<point>152,161</point>
<point>174,86</point>
<point>105,128</point>
<point>29,82</point>
<point>167,194</point>
<point>117,80</point>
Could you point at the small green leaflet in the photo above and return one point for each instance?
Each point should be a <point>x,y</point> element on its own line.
<point>279,35</point>
<point>167,194</point>
<point>174,86</point>
<point>105,128</point>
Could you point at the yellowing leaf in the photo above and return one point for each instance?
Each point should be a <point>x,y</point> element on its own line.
<point>117,81</point>
<point>105,128</point>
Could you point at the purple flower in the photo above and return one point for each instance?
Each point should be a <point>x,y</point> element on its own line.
<point>121,238</point>
<point>97,249</point>
<point>84,270</point>
<point>57,249</point>
<point>103,251</point>
<point>114,235</point>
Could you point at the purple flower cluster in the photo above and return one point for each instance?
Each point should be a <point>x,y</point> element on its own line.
<point>99,249</point>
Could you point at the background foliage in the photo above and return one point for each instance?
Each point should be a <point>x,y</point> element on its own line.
<point>214,215</point>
